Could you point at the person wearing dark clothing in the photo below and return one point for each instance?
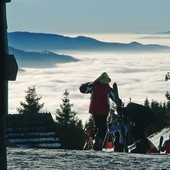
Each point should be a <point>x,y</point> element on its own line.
<point>139,118</point>
<point>99,105</point>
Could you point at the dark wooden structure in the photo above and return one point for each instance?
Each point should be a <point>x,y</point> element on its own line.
<point>32,131</point>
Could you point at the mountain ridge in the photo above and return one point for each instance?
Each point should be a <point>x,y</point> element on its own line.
<point>47,41</point>
<point>43,59</point>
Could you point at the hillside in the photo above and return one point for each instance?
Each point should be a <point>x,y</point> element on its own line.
<point>42,59</point>
<point>43,41</point>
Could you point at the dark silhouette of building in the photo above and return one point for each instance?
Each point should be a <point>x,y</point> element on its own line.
<point>32,131</point>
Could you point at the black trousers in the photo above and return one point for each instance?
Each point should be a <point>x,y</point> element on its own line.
<point>100,126</point>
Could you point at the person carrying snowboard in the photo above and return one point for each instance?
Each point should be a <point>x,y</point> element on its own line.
<point>139,117</point>
<point>99,105</point>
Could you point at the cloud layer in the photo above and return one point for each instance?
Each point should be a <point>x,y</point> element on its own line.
<point>139,76</point>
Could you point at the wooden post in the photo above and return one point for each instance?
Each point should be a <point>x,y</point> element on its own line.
<point>4,77</point>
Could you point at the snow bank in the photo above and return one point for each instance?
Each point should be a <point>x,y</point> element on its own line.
<point>156,136</point>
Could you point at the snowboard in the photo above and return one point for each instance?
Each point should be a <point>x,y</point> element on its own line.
<point>160,143</point>
<point>116,92</point>
<point>120,118</point>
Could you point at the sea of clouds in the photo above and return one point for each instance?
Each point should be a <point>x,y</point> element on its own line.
<point>138,75</point>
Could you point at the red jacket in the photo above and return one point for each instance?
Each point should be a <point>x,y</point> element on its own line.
<point>166,147</point>
<point>100,104</point>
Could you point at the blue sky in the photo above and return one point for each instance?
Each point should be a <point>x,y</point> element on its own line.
<point>89,16</point>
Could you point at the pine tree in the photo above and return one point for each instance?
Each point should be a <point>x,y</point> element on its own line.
<point>167,95</point>
<point>146,102</point>
<point>69,127</point>
<point>90,122</point>
<point>31,104</point>
<point>65,115</point>
<point>167,115</point>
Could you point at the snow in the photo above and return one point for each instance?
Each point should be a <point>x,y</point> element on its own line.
<point>58,159</point>
<point>83,160</point>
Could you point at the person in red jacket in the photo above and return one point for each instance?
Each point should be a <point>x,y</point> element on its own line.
<point>166,146</point>
<point>99,105</point>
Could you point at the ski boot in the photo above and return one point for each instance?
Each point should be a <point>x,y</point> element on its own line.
<point>98,144</point>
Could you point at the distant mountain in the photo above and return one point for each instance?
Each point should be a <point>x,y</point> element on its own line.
<point>39,59</point>
<point>167,32</point>
<point>155,37</point>
<point>42,41</point>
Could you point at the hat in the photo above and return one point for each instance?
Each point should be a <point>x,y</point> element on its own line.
<point>104,78</point>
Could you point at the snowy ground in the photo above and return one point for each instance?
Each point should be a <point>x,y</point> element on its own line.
<point>46,159</point>
<point>83,160</point>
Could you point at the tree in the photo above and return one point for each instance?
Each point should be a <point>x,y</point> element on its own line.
<point>167,95</point>
<point>69,127</point>
<point>90,122</point>
<point>32,105</point>
<point>167,115</point>
<point>65,115</point>
<point>146,102</point>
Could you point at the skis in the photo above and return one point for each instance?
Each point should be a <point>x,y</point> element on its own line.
<point>120,119</point>
<point>88,144</point>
